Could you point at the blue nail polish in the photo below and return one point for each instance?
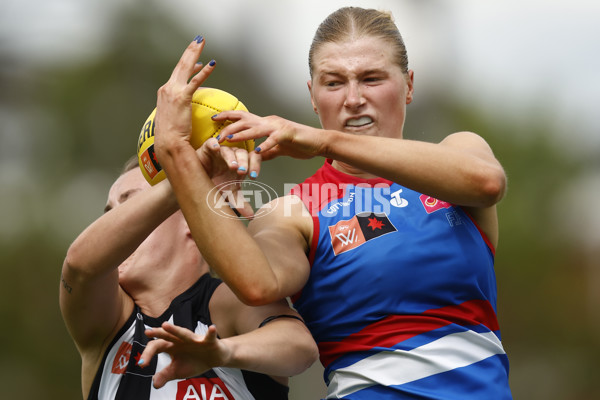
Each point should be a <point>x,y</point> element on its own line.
<point>229,136</point>
<point>257,149</point>
<point>215,116</point>
<point>253,174</point>
<point>141,361</point>
<point>212,63</point>
<point>218,137</point>
<point>243,169</point>
<point>199,39</point>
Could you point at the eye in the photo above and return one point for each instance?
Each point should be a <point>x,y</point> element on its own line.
<point>373,79</point>
<point>333,83</point>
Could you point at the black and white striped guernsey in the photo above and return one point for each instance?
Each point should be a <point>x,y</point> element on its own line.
<point>120,378</point>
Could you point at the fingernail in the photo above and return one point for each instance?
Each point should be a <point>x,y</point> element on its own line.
<point>218,136</point>
<point>141,361</point>
<point>199,64</point>
<point>229,136</point>
<point>215,116</point>
<point>234,162</point>
<point>253,174</point>
<point>199,39</point>
<point>243,169</point>
<point>257,149</point>
<point>212,63</point>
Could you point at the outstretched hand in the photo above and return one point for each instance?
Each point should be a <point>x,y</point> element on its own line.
<point>227,167</point>
<point>173,121</point>
<point>283,137</point>
<point>191,354</point>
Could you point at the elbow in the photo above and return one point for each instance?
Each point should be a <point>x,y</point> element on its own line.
<point>306,353</point>
<point>492,186</point>
<point>71,265</point>
<point>312,353</point>
<point>76,266</point>
<point>72,268</point>
<point>305,360</point>
<point>256,295</point>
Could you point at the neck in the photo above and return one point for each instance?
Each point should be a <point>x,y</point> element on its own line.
<point>165,282</point>
<point>350,170</point>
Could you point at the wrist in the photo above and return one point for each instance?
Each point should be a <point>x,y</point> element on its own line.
<point>169,149</point>
<point>230,354</point>
<point>329,140</point>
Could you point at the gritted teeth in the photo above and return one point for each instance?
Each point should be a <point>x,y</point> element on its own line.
<point>359,121</point>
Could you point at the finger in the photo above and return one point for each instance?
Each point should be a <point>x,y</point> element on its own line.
<point>163,376</point>
<point>211,146</point>
<point>229,115</point>
<point>153,348</point>
<point>197,68</point>
<point>240,121</point>
<point>254,163</point>
<point>270,154</point>
<point>211,334</point>
<point>269,143</point>
<point>228,155</point>
<point>198,79</point>
<point>182,71</point>
<point>160,333</point>
<point>181,333</point>
<point>241,157</point>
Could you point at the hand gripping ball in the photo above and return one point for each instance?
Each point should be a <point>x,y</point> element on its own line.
<point>206,102</point>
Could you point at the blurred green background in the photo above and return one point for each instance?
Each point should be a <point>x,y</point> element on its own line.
<point>78,78</point>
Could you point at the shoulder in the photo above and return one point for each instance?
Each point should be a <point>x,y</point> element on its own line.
<point>467,140</point>
<point>287,215</point>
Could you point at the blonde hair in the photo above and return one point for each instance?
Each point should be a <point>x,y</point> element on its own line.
<point>130,164</point>
<point>349,23</point>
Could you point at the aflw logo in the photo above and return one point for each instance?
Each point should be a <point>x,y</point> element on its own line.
<point>203,389</point>
<point>348,238</point>
<point>349,234</point>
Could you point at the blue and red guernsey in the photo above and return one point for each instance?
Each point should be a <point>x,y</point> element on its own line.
<point>401,297</point>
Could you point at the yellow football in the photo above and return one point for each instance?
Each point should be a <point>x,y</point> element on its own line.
<point>206,102</point>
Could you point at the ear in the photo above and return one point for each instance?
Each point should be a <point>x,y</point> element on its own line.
<point>312,98</point>
<point>410,78</point>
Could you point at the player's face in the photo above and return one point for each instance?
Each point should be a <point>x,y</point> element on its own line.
<point>357,88</point>
<point>156,248</point>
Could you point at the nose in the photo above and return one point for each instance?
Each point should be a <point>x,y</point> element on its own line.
<point>354,97</point>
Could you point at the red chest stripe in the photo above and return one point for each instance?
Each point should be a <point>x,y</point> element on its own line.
<point>394,329</point>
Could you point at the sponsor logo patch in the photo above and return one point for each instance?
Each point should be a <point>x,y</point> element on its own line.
<point>121,358</point>
<point>203,389</point>
<point>432,204</point>
<point>349,234</point>
<point>150,162</point>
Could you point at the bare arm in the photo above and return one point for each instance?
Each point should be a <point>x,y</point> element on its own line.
<point>91,300</point>
<point>461,169</point>
<point>259,270</point>
<point>282,347</point>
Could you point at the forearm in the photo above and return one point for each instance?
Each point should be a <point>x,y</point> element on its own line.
<point>283,348</point>
<point>450,173</point>
<point>109,240</point>
<point>223,241</point>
